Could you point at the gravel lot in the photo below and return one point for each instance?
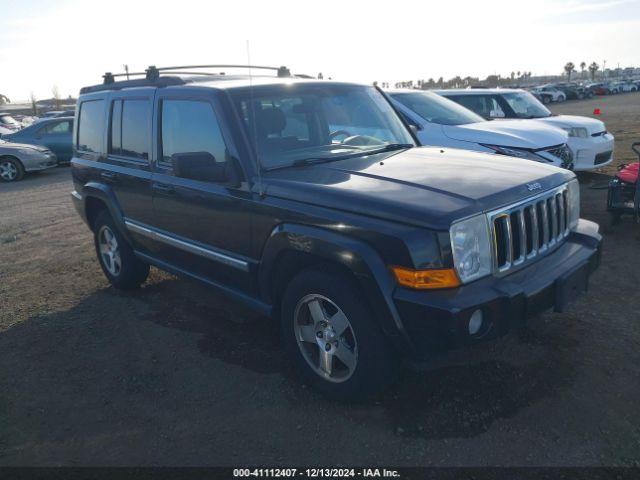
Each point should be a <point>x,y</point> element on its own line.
<point>175,374</point>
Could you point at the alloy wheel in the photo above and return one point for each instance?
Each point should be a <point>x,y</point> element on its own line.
<point>109,251</point>
<point>325,338</point>
<point>8,171</point>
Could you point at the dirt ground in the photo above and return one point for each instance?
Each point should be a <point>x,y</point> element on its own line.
<point>176,374</point>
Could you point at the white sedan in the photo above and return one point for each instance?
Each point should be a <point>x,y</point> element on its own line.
<point>444,123</point>
<point>591,144</point>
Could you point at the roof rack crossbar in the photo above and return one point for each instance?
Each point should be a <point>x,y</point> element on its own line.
<point>153,73</point>
<point>282,70</point>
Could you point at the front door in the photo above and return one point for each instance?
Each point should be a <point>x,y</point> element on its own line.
<point>204,224</point>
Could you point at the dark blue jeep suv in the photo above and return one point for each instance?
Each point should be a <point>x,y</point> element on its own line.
<point>309,201</point>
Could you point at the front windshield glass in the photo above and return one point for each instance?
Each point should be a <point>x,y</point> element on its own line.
<point>436,109</point>
<point>8,120</point>
<point>525,105</point>
<point>301,122</point>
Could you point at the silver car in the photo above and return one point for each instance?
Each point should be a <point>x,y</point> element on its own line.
<point>16,159</point>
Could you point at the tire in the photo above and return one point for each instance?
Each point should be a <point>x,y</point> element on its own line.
<point>361,360</point>
<point>546,100</point>
<point>11,169</point>
<point>122,268</point>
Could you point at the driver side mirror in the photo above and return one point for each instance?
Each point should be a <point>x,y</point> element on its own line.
<point>202,166</point>
<point>496,114</point>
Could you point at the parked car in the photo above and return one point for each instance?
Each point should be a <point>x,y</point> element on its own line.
<point>574,91</point>
<point>25,120</point>
<point>53,133</point>
<point>309,201</point>
<point>589,140</point>
<point>443,123</point>
<point>614,87</point>
<point>627,86</point>
<point>549,91</point>
<point>58,113</point>
<point>9,123</point>
<point>17,159</point>
<point>599,88</point>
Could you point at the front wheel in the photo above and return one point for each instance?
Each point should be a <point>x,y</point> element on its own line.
<point>120,265</point>
<point>11,170</point>
<point>332,337</point>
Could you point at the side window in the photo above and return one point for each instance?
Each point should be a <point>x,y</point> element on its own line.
<point>130,128</point>
<point>190,129</point>
<point>90,126</point>
<point>57,128</point>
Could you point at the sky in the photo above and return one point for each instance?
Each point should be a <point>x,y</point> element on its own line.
<point>71,43</point>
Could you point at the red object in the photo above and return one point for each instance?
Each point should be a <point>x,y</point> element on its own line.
<point>596,111</point>
<point>629,174</point>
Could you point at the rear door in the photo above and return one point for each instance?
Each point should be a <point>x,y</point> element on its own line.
<point>204,224</point>
<point>56,135</point>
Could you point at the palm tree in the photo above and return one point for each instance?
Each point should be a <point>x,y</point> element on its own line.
<point>583,65</point>
<point>593,68</point>
<point>4,99</point>
<point>568,68</point>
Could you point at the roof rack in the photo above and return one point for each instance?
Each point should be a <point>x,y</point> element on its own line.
<point>153,72</point>
<point>152,76</point>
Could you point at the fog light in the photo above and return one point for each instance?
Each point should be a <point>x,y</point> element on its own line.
<point>475,322</point>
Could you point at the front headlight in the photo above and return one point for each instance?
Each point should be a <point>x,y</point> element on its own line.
<point>573,202</point>
<point>579,132</point>
<point>471,248</point>
<point>514,152</point>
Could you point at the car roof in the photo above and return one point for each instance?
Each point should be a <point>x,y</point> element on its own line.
<point>219,82</point>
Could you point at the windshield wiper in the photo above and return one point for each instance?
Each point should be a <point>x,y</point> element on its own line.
<point>304,162</point>
<point>391,147</point>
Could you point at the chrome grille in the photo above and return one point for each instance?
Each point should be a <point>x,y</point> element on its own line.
<point>563,152</point>
<point>528,229</point>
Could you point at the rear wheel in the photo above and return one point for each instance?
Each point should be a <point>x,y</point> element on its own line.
<point>120,265</point>
<point>11,169</point>
<point>333,339</point>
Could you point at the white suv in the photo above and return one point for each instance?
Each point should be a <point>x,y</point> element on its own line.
<point>443,123</point>
<point>591,144</point>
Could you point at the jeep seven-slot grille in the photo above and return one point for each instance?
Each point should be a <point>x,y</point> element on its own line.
<point>526,230</point>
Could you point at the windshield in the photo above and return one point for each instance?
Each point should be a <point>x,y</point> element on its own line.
<point>436,109</point>
<point>8,120</point>
<point>525,105</point>
<point>295,123</point>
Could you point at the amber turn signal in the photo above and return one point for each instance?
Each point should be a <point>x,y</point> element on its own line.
<point>426,279</point>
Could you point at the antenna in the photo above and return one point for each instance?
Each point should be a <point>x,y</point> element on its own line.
<point>253,122</point>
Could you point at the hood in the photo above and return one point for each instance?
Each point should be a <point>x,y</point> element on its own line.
<point>8,146</point>
<point>508,133</point>
<point>592,125</point>
<point>430,187</point>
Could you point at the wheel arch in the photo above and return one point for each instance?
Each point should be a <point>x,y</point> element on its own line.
<point>292,248</point>
<point>98,197</point>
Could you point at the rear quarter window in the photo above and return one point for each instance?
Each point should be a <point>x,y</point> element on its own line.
<point>91,126</point>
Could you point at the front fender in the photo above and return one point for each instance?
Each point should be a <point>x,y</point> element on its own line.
<point>370,271</point>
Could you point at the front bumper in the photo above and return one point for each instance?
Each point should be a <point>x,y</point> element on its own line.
<point>36,161</point>
<point>437,321</point>
<point>592,152</point>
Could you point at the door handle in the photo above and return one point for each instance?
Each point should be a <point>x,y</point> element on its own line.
<point>109,177</point>
<point>163,188</point>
